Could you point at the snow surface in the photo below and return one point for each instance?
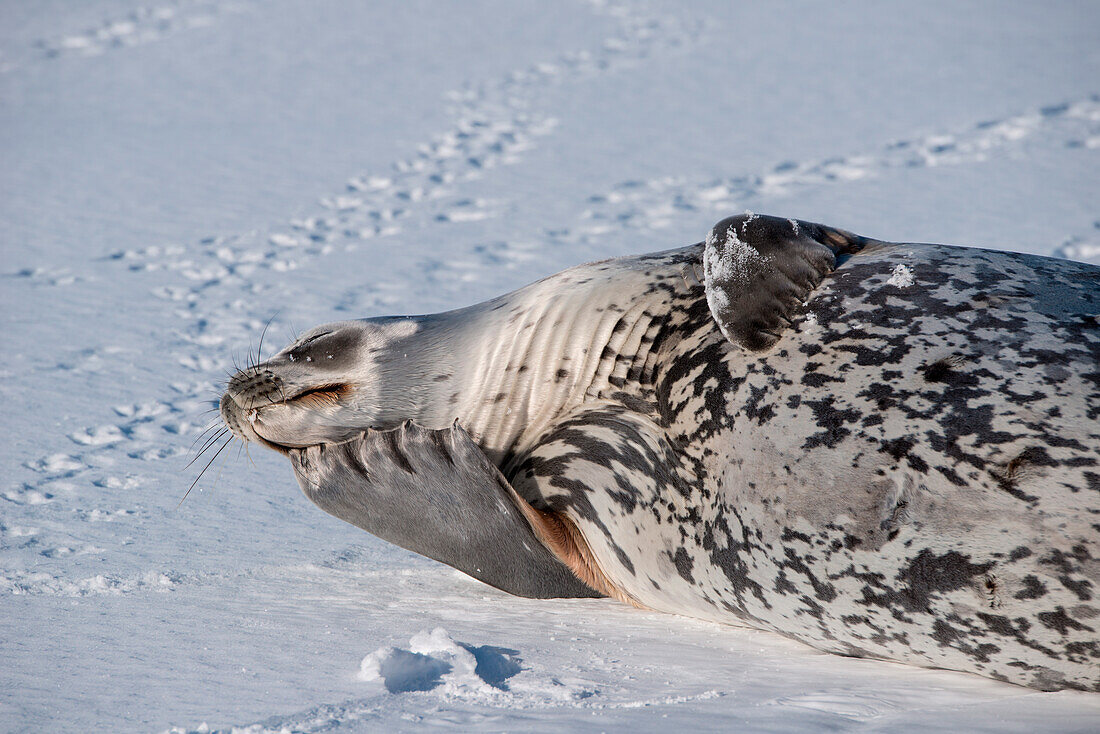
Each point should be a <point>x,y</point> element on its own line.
<point>176,174</point>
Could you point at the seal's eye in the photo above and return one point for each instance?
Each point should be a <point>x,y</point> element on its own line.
<point>305,350</point>
<point>312,339</point>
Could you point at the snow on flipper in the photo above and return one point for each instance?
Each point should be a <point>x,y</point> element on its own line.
<point>435,493</point>
<point>759,270</point>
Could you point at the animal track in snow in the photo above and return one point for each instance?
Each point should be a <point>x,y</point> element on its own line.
<point>19,582</point>
<point>28,496</point>
<point>494,123</point>
<point>112,482</point>
<point>17,531</point>
<point>58,465</point>
<point>487,134</point>
<point>48,276</point>
<point>99,436</point>
<point>97,515</point>
<point>466,210</point>
<point>1084,248</point>
<point>43,583</point>
<point>140,26</point>
<point>654,204</point>
<point>147,422</point>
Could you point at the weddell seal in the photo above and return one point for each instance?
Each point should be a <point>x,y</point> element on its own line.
<point>882,450</point>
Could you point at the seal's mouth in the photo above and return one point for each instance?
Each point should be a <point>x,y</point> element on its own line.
<point>244,410</point>
<point>316,397</point>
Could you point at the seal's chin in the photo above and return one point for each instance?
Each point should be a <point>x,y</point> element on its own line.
<point>284,450</point>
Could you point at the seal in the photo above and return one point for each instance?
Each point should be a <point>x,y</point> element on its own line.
<point>882,450</point>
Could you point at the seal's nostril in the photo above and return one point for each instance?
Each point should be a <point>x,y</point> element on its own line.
<point>255,389</point>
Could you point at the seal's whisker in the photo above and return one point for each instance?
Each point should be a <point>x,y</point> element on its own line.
<point>260,346</point>
<point>202,436</point>
<point>215,425</point>
<point>212,425</point>
<point>227,442</point>
<point>207,442</point>
<point>206,447</point>
<point>220,470</point>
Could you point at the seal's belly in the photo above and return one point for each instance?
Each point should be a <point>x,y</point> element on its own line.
<point>911,473</point>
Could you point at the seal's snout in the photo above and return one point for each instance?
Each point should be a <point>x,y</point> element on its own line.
<point>247,392</point>
<point>279,405</point>
<point>255,388</point>
<point>234,418</point>
<point>243,420</point>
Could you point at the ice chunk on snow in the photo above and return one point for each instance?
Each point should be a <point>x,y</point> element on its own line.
<point>433,660</point>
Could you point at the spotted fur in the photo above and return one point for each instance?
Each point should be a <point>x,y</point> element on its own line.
<point>888,451</point>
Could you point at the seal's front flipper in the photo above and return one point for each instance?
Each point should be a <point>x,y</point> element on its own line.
<point>759,270</point>
<point>618,486</point>
<point>436,493</point>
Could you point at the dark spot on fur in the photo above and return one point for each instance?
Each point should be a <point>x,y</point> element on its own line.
<point>1020,552</point>
<point>941,369</point>
<point>1060,621</point>
<point>832,422</point>
<point>927,576</point>
<point>684,565</point>
<point>1079,588</point>
<point>1033,588</point>
<point>898,448</point>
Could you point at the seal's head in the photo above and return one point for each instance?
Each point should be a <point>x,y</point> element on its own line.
<point>331,383</point>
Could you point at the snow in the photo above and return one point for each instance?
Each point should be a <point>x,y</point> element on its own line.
<point>901,277</point>
<point>177,174</point>
<point>731,260</point>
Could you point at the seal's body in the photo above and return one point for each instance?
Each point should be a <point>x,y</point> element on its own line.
<point>882,450</point>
